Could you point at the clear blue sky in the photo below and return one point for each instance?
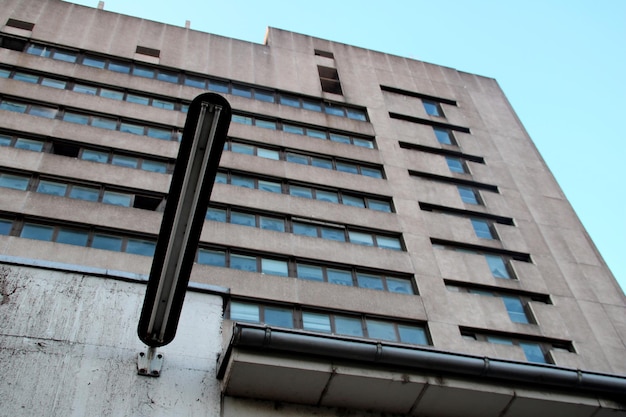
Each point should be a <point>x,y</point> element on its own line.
<point>561,63</point>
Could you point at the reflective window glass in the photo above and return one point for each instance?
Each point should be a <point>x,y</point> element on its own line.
<point>377,329</point>
<point>482,229</point>
<point>329,196</point>
<point>170,77</point>
<point>104,123</point>
<point>215,214</point>
<point>124,161</point>
<point>533,352</point>
<point>431,108</point>
<point>66,56</point>
<point>321,162</point>
<point>332,233</point>
<point>72,237</point>
<point>52,188</point>
<point>85,89</point>
<point>119,67</point>
<point>340,277</point>
<point>371,172</point>
<point>16,182</point>
<point>318,134</point>
<point>335,137</point>
<point>304,229</point>
<point>515,308</point>
<point>455,164</point>
<point>13,106</point>
<point>112,94</point>
<point>80,119</point>
<point>402,286</point>
<point>154,166</point>
<point>361,238</point>
<point>131,128</point>
<point>51,82</point>
<point>356,114</point>
<point>293,129</point>
<point>353,201</point>
<point>268,153</point>
<point>38,50</point>
<point>134,98</point>
<point>242,181</point>
<point>145,72</point>
<point>218,86</point>
<point>242,91</point>
<point>197,82</point>
<point>316,322</point>
<point>468,195</point>
<point>106,242</point>
<point>274,267</point>
<point>388,242</point>
<point>95,156</point>
<point>265,124</point>
<point>5,140</point>
<point>36,231</point>
<point>140,247</point>
<point>289,100</point>
<point>373,282</point>
<point>350,326</point>
<point>310,272</point>
<point>297,158</point>
<point>242,218</point>
<point>271,186</point>
<point>497,266</point>
<point>91,61</point>
<point>5,226</point>
<point>29,144</point>
<point>84,193</point>
<point>271,223</point>
<point>244,312</point>
<point>335,111</point>
<point>244,120</point>
<point>43,111</point>
<point>29,78</point>
<point>244,263</point>
<point>266,96</point>
<point>298,191</point>
<point>364,143</point>
<point>158,133</point>
<point>242,148</point>
<point>4,73</point>
<point>347,167</point>
<point>444,136</point>
<point>412,334</point>
<point>275,316</point>
<point>211,257</point>
<point>117,199</point>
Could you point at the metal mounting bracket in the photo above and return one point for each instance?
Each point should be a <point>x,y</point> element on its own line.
<point>149,363</point>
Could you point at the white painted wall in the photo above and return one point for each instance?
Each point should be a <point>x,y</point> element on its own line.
<point>68,347</point>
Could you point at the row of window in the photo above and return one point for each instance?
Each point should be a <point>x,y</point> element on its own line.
<point>299,158</point>
<point>102,122</point>
<point>87,154</point>
<point>535,351</point>
<point>432,105</point>
<point>327,322</point>
<point>94,90</point>
<point>223,257</point>
<point>197,81</point>
<point>328,195</point>
<point>298,129</point>
<point>305,228</point>
<point>100,194</point>
<point>78,236</point>
<point>350,277</point>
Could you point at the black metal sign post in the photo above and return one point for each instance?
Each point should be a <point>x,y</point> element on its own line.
<point>199,154</point>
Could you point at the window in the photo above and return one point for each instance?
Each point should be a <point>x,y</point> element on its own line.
<point>16,182</point>
<point>444,136</point>
<point>5,226</point>
<point>456,165</point>
<point>329,79</point>
<point>483,229</point>
<point>432,108</point>
<point>515,308</point>
<point>469,195</point>
<point>497,266</point>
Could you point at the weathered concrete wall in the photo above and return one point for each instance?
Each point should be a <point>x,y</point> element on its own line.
<point>68,347</point>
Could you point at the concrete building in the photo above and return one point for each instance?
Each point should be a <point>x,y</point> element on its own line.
<point>383,236</point>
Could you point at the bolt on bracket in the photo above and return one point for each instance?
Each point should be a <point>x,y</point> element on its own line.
<point>149,363</point>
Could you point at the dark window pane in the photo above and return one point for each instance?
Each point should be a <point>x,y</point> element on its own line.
<point>140,247</point>
<point>244,263</point>
<point>275,316</point>
<point>107,242</point>
<point>5,226</point>
<point>211,257</point>
<point>35,231</point>
<point>72,237</point>
<point>310,272</point>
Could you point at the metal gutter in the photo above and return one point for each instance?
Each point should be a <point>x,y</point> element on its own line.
<point>376,352</point>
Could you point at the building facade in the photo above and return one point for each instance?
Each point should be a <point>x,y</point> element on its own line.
<point>383,236</point>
